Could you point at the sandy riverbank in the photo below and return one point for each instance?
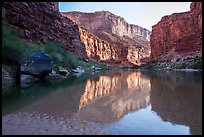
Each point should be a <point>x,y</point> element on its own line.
<point>35,124</point>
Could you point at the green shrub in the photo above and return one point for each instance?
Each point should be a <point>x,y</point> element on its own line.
<point>12,47</point>
<point>16,49</point>
<point>59,56</point>
<point>182,66</point>
<point>197,64</point>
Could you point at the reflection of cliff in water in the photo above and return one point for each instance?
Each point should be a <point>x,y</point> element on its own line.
<point>177,97</point>
<point>111,96</point>
<point>56,98</point>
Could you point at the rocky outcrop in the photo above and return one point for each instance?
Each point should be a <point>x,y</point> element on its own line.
<point>178,35</point>
<point>109,38</point>
<point>42,22</point>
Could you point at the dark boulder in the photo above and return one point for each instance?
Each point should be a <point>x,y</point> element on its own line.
<point>36,64</point>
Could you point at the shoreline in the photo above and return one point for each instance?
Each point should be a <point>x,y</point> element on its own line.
<point>188,70</point>
<point>169,69</point>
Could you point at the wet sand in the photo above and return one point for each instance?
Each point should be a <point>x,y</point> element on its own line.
<point>36,124</point>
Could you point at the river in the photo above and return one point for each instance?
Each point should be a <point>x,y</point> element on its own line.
<point>139,102</point>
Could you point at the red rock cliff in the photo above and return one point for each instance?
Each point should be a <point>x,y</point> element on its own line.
<point>108,22</point>
<point>126,43</point>
<point>101,50</point>
<point>178,35</point>
<point>41,21</point>
<point>114,54</point>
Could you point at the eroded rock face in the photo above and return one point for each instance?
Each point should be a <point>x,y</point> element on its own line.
<point>108,22</point>
<point>101,50</point>
<point>178,35</point>
<point>109,38</point>
<point>116,53</point>
<point>42,22</point>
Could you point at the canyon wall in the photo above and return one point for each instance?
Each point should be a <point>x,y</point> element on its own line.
<point>108,22</point>
<point>178,35</point>
<point>113,54</point>
<point>129,44</point>
<point>102,42</point>
<point>101,50</point>
<point>42,22</point>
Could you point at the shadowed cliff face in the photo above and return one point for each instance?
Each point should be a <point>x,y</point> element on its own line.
<point>112,96</point>
<point>42,22</point>
<point>109,40</point>
<point>127,43</point>
<point>178,35</point>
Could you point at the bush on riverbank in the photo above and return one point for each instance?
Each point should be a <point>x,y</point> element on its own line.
<point>16,49</point>
<point>12,47</point>
<point>185,63</point>
<point>195,63</point>
<point>62,58</point>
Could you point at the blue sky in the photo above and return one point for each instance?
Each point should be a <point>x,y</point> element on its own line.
<point>144,14</point>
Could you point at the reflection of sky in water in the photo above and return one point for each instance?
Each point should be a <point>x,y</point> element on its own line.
<point>145,121</point>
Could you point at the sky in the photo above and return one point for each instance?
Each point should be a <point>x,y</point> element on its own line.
<point>144,14</point>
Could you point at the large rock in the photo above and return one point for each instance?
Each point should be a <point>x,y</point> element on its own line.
<point>37,64</point>
<point>178,35</point>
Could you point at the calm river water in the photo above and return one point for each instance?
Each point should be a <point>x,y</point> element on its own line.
<point>116,102</point>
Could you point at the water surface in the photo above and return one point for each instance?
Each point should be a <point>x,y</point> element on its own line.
<point>119,102</point>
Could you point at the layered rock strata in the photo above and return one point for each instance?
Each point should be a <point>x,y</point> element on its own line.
<point>115,53</point>
<point>178,35</point>
<point>108,22</point>
<point>115,42</point>
<point>129,44</point>
<point>42,22</point>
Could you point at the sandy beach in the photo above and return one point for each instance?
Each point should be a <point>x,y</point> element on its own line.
<point>35,124</point>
